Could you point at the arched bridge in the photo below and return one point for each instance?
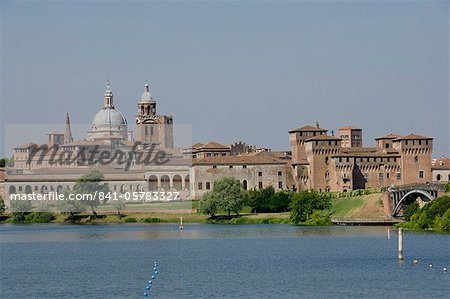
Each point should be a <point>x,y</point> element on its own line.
<point>402,196</point>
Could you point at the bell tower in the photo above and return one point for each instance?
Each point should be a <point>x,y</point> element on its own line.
<point>152,128</point>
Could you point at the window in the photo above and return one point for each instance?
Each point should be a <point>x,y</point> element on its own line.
<point>387,175</point>
<point>327,160</point>
<point>381,176</point>
<point>260,173</point>
<point>438,177</point>
<point>224,154</point>
<point>280,173</point>
<point>260,185</point>
<point>244,166</point>
<point>449,177</point>
<point>366,176</point>
<point>406,142</point>
<point>421,174</point>
<point>231,166</point>
<point>348,159</point>
<point>280,185</point>
<point>200,186</point>
<point>214,166</point>
<point>327,175</point>
<point>208,185</point>
<point>244,185</point>
<point>416,159</point>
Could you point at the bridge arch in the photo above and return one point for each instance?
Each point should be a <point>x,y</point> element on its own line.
<point>410,197</point>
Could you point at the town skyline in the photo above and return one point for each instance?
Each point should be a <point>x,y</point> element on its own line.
<point>260,75</point>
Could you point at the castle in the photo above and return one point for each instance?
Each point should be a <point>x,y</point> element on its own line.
<point>316,160</point>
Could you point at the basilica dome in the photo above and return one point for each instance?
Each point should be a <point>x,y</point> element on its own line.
<point>110,117</point>
<point>109,123</point>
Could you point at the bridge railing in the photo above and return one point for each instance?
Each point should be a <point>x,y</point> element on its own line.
<point>428,186</point>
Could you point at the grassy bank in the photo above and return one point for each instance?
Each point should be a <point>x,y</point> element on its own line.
<point>364,206</point>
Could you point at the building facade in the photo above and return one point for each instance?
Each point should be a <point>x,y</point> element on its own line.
<point>321,162</point>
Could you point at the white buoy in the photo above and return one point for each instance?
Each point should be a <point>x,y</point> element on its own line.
<point>389,234</point>
<point>181,223</point>
<point>400,244</point>
<point>430,266</point>
<point>444,269</point>
<point>415,261</point>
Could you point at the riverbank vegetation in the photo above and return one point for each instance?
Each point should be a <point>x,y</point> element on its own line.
<point>433,216</point>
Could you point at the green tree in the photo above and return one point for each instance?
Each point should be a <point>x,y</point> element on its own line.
<point>269,201</point>
<point>230,195</point>
<point>90,184</point>
<point>20,209</point>
<point>411,210</point>
<point>2,204</point>
<point>119,206</point>
<point>227,195</point>
<point>447,187</point>
<point>305,203</point>
<point>3,162</point>
<point>209,204</point>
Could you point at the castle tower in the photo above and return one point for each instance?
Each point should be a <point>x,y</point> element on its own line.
<point>68,132</point>
<point>415,158</point>
<point>351,136</point>
<point>150,127</point>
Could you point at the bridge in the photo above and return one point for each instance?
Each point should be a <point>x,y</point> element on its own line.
<point>400,197</point>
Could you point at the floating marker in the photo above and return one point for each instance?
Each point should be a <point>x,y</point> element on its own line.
<point>150,282</point>
<point>415,261</point>
<point>153,276</point>
<point>154,268</point>
<point>148,287</point>
<point>444,269</point>
<point>156,272</point>
<point>430,266</point>
<point>145,294</point>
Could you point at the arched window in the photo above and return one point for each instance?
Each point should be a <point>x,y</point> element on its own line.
<point>438,177</point>
<point>416,159</point>
<point>244,184</point>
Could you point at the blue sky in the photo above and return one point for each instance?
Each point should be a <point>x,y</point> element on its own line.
<point>233,70</point>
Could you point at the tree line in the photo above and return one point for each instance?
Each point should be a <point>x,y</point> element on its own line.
<point>227,196</point>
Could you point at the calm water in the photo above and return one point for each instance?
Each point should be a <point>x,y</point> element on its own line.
<point>220,261</point>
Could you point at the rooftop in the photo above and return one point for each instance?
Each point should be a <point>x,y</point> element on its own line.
<point>262,158</point>
<point>308,128</point>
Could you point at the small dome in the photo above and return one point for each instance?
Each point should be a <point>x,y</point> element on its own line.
<point>147,96</point>
<point>110,117</point>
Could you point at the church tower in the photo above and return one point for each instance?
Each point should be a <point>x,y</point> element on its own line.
<point>67,132</point>
<point>152,128</point>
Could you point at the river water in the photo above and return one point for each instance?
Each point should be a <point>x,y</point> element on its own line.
<point>219,261</point>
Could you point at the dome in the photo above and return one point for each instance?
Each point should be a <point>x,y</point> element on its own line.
<point>147,96</point>
<point>110,117</point>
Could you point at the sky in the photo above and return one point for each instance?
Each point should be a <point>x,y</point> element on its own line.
<point>231,70</point>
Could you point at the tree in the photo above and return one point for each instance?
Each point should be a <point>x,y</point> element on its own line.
<point>411,210</point>
<point>20,209</point>
<point>119,206</point>
<point>227,195</point>
<point>209,204</point>
<point>2,205</point>
<point>3,162</point>
<point>305,203</point>
<point>230,195</point>
<point>89,186</point>
<point>268,201</point>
